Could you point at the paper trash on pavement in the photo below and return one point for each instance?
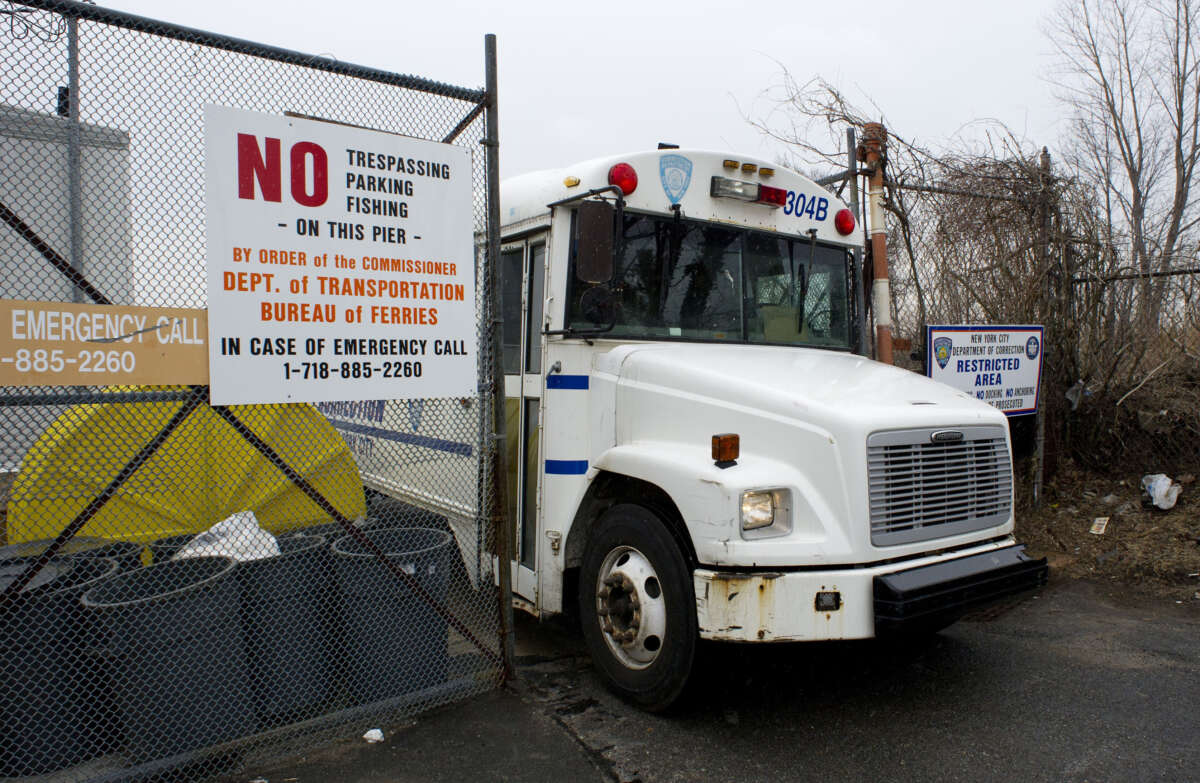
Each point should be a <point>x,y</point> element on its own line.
<point>1162,491</point>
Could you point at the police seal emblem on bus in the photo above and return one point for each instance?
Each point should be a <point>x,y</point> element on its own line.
<point>941,351</point>
<point>675,171</point>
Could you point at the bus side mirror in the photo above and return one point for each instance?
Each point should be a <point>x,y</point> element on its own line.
<point>599,306</point>
<point>594,224</point>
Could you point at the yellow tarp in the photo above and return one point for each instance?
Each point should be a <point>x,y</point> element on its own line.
<point>202,473</point>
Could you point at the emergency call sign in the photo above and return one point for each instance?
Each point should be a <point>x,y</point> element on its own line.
<point>61,344</point>
<point>999,365</point>
<point>340,262</point>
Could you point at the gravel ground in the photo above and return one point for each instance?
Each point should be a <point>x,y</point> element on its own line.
<point>1157,552</point>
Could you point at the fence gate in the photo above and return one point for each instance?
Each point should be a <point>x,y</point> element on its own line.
<point>148,396</point>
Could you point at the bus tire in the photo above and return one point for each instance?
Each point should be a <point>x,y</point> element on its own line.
<point>637,607</point>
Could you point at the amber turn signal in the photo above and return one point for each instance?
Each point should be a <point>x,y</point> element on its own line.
<point>725,448</point>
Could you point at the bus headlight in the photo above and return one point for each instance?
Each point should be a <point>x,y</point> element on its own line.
<point>766,512</point>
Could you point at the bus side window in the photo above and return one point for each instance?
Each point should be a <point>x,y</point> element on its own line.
<point>510,309</point>
<point>537,302</point>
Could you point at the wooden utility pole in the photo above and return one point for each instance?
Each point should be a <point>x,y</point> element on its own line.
<point>873,153</point>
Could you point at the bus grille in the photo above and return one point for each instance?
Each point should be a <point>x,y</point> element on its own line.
<point>922,489</point>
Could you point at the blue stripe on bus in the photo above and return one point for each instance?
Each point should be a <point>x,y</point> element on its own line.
<point>558,381</point>
<point>566,467</point>
<point>412,439</point>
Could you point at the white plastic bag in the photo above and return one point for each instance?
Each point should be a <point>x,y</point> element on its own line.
<point>237,536</point>
<point>1162,491</point>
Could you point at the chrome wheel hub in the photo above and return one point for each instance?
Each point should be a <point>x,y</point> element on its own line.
<point>630,607</point>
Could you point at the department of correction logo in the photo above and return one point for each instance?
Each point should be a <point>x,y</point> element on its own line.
<point>1032,348</point>
<point>941,351</point>
<point>675,171</point>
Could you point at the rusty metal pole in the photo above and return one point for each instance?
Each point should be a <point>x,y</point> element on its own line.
<point>500,522</point>
<point>1039,456</point>
<point>864,342</point>
<point>875,149</point>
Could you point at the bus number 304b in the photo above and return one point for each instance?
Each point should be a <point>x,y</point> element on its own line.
<point>811,207</point>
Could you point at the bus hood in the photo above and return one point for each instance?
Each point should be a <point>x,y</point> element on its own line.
<point>823,388</point>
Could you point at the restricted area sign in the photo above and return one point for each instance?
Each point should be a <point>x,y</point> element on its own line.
<point>58,344</point>
<point>1000,365</point>
<point>340,263</point>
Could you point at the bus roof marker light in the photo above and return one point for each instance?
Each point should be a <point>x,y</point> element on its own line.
<point>571,182</point>
<point>766,172</point>
<point>773,197</point>
<point>749,168</point>
<point>723,187</point>
<point>730,164</point>
<point>624,177</point>
<point>843,221</point>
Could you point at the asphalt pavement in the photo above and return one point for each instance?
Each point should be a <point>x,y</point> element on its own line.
<point>1081,682</point>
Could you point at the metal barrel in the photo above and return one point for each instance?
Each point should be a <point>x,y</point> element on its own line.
<point>394,641</point>
<point>284,615</point>
<point>53,702</point>
<point>173,633</point>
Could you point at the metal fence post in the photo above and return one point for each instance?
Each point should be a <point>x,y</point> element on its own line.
<point>500,526</point>
<point>74,153</point>
<point>864,346</point>
<point>1039,457</point>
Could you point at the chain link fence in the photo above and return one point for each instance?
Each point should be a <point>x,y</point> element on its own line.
<point>1011,240</point>
<point>123,657</point>
<point>1135,399</point>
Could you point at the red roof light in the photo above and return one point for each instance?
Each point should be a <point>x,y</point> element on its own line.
<point>776,197</point>
<point>843,221</point>
<point>624,177</point>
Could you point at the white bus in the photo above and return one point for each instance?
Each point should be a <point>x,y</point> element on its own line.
<point>695,451</point>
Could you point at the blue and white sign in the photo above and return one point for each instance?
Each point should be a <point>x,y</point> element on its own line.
<point>999,365</point>
<point>675,171</point>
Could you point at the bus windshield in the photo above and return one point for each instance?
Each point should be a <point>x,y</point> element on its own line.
<point>688,280</point>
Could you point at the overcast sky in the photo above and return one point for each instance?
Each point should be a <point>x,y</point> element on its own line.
<point>582,80</point>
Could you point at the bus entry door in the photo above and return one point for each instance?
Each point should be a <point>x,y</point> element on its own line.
<point>522,273</point>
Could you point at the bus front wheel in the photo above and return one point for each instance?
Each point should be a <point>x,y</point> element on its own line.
<point>637,607</point>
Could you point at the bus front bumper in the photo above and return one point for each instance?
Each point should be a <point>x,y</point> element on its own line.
<point>860,603</point>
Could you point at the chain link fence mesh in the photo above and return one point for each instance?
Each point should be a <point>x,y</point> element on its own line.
<point>119,660</point>
<point>1013,239</point>
<point>1135,400</point>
